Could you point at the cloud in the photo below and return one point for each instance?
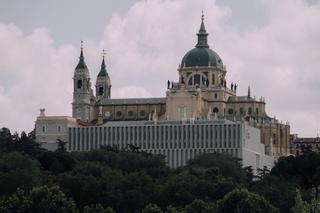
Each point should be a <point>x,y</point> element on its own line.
<point>147,44</point>
<point>279,59</point>
<point>33,75</point>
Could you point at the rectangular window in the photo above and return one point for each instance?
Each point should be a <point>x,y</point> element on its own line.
<point>241,111</point>
<point>257,161</point>
<point>79,84</point>
<point>82,139</point>
<point>69,136</point>
<point>183,112</point>
<point>86,137</point>
<point>96,137</point>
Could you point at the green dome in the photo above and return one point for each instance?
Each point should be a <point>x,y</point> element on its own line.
<point>202,57</point>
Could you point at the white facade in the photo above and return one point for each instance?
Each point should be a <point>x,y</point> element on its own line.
<point>177,141</point>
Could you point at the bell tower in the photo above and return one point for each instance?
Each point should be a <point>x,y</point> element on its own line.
<point>81,90</point>
<point>103,83</point>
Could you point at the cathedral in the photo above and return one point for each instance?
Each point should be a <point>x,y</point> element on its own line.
<point>200,113</point>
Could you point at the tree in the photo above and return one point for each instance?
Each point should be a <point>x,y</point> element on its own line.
<point>23,143</point>
<point>303,169</point>
<point>228,166</point>
<point>241,200</point>
<point>61,145</point>
<point>314,206</point>
<point>56,162</point>
<point>5,139</point>
<point>261,173</point>
<point>305,207</point>
<point>41,199</point>
<point>199,206</point>
<point>278,192</point>
<point>97,208</point>
<point>151,208</point>
<point>249,174</point>
<point>300,205</point>
<point>18,170</point>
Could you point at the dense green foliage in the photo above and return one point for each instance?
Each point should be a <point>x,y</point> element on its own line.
<point>111,180</point>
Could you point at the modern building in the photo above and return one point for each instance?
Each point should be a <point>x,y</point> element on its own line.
<point>199,113</point>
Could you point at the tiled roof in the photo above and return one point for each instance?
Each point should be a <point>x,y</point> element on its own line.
<point>133,101</point>
<point>307,140</point>
<point>241,99</point>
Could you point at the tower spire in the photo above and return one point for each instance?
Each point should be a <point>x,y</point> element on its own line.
<point>82,63</point>
<point>202,34</point>
<point>103,70</point>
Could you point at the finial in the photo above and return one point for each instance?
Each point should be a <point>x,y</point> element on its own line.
<point>81,45</point>
<point>202,16</point>
<point>103,53</point>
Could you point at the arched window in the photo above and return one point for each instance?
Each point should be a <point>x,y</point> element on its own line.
<point>249,110</point>
<point>257,111</point>
<point>215,110</point>
<point>119,114</point>
<point>130,114</point>
<point>198,80</point>
<point>241,111</point>
<point>230,111</point>
<point>142,113</point>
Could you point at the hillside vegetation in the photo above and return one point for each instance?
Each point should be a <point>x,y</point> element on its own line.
<point>111,180</point>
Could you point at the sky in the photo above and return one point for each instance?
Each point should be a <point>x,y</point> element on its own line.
<point>271,45</point>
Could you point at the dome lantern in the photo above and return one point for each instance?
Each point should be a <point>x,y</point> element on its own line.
<point>202,55</point>
<point>202,35</point>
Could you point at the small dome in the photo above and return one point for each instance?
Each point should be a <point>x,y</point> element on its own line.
<point>202,57</point>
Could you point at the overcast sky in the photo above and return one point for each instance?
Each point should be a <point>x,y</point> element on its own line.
<point>271,45</point>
